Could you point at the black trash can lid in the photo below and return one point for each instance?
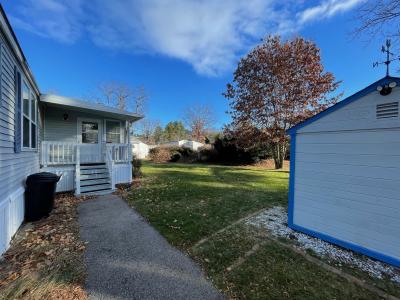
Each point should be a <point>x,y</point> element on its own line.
<point>42,177</point>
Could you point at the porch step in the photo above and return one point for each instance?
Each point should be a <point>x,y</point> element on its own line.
<point>93,166</point>
<point>88,182</point>
<point>96,188</point>
<point>94,171</point>
<point>95,179</point>
<point>95,176</point>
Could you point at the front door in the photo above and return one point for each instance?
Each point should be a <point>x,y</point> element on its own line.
<point>89,138</point>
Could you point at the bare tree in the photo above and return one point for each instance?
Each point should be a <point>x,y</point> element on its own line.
<point>199,118</point>
<point>380,17</point>
<point>147,128</point>
<point>141,98</point>
<point>123,96</point>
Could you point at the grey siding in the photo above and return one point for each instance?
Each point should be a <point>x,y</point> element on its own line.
<point>358,115</point>
<point>58,129</point>
<point>347,182</point>
<point>14,167</point>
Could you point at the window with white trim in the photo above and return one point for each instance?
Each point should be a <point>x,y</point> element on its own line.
<point>113,132</point>
<point>29,118</point>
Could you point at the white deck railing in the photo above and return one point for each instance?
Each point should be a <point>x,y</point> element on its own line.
<point>119,152</point>
<point>58,153</point>
<point>65,153</point>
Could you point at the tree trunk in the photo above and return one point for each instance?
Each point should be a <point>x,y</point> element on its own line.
<point>279,152</point>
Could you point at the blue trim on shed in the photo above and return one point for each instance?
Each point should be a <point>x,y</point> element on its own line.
<point>291,178</point>
<point>348,100</point>
<point>351,246</point>
<point>322,236</point>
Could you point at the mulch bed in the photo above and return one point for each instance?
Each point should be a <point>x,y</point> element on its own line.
<point>45,260</point>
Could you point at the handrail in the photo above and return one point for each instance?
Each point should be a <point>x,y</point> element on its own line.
<point>66,153</point>
<point>119,152</point>
<point>58,153</point>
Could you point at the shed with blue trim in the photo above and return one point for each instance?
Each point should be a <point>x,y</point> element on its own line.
<point>345,173</point>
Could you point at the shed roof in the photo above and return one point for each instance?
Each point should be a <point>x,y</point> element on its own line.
<point>369,89</point>
<point>79,105</point>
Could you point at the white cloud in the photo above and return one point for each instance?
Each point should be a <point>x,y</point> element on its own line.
<point>326,9</point>
<point>208,34</point>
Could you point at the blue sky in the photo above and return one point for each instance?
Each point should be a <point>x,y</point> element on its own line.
<point>182,51</point>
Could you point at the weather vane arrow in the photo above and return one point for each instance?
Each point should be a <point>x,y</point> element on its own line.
<point>389,56</point>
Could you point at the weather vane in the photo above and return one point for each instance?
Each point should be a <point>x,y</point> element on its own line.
<point>389,56</point>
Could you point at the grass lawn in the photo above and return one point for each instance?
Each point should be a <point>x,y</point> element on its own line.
<point>188,203</point>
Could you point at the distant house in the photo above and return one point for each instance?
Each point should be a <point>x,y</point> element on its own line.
<point>345,173</point>
<point>86,143</point>
<point>184,143</point>
<point>139,149</point>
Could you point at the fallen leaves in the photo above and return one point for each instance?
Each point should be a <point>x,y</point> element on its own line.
<point>43,251</point>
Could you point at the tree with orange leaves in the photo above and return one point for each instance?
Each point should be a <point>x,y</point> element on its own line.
<point>275,86</point>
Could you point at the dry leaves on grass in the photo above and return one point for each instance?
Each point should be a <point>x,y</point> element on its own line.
<point>270,165</point>
<point>45,259</point>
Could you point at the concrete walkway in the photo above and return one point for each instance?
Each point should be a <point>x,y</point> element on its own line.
<point>127,259</point>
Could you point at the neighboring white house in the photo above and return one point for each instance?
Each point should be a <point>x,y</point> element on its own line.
<point>86,143</point>
<point>345,173</point>
<point>184,143</point>
<point>139,149</point>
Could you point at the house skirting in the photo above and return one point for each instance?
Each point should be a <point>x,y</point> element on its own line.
<point>11,215</point>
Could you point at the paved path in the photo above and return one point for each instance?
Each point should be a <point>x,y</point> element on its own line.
<point>128,259</point>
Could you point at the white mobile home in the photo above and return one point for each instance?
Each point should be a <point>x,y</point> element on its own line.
<point>345,173</point>
<point>86,143</point>
<point>193,145</point>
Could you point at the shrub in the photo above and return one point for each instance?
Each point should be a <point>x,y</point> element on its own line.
<point>175,157</point>
<point>136,167</point>
<point>160,154</point>
<point>226,150</point>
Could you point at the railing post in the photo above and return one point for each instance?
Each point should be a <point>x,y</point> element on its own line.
<point>45,153</point>
<point>109,149</point>
<point>78,171</point>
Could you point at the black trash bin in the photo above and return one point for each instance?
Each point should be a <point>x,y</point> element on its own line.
<point>39,195</point>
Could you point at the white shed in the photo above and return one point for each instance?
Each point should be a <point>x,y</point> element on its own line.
<point>345,173</point>
<point>139,149</point>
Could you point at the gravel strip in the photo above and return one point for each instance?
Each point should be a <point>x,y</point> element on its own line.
<point>275,221</point>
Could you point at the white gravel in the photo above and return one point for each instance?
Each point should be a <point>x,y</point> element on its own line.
<point>275,221</point>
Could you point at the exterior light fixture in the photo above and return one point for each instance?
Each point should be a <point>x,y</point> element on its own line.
<point>386,89</point>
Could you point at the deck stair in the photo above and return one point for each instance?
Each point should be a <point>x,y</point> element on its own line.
<point>95,179</point>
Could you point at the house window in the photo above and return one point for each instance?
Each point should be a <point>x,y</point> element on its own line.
<point>113,132</point>
<point>90,132</point>
<point>29,118</point>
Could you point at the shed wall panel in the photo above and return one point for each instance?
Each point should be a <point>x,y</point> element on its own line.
<point>347,185</point>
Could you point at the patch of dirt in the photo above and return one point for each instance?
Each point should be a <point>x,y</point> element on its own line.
<point>269,164</point>
<point>45,260</point>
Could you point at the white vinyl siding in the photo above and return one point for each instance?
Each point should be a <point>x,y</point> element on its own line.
<point>14,167</point>
<point>56,128</point>
<point>359,115</point>
<point>347,182</point>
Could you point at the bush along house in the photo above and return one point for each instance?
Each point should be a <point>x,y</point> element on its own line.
<point>87,144</point>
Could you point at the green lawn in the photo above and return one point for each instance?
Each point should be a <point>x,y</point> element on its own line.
<point>187,203</point>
